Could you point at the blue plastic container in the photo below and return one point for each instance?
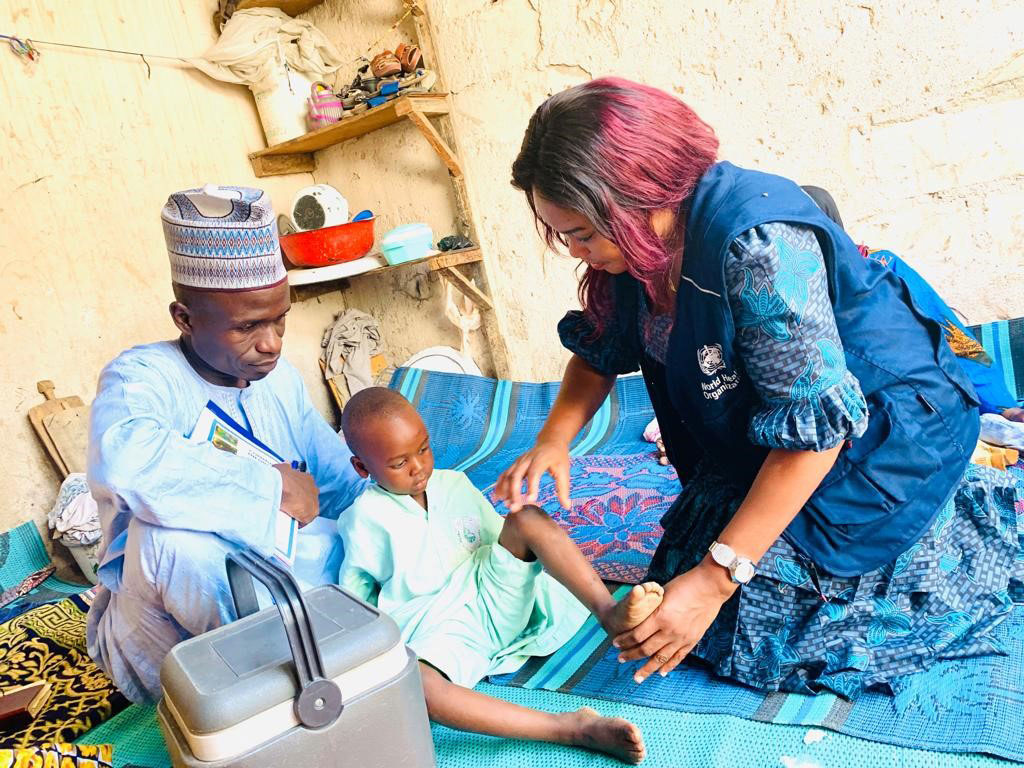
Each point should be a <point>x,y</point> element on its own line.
<point>408,242</point>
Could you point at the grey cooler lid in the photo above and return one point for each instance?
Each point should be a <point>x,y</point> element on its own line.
<point>234,672</point>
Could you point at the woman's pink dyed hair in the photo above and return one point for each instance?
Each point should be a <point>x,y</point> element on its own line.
<point>615,151</point>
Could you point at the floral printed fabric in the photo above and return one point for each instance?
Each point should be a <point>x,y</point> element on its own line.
<point>787,336</point>
<point>794,629</point>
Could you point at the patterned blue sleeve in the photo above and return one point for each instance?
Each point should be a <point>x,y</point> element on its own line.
<point>787,336</point>
<point>608,353</point>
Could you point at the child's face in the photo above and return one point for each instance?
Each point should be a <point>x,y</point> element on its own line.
<point>396,453</point>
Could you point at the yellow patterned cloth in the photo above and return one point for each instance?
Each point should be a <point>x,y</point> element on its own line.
<point>58,756</point>
<point>48,643</point>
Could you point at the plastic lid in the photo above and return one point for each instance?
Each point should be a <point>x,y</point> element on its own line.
<point>236,671</point>
<point>407,232</point>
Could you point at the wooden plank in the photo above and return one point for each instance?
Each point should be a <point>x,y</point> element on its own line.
<point>436,142</point>
<point>463,284</point>
<point>69,431</point>
<point>291,7</point>
<point>278,165</point>
<point>453,258</point>
<point>310,289</point>
<point>37,413</point>
<point>467,256</point>
<point>360,125</point>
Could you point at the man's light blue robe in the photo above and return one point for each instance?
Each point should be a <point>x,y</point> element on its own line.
<point>171,508</point>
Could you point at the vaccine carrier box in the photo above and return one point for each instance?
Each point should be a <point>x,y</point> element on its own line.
<point>320,679</point>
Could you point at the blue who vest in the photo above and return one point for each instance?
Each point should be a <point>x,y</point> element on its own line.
<point>888,486</point>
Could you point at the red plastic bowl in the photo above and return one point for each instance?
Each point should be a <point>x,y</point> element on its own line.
<point>330,245</point>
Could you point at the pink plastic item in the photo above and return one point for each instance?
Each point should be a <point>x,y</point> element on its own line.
<point>323,105</point>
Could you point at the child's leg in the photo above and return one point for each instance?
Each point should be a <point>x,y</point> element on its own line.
<point>464,709</point>
<point>530,534</point>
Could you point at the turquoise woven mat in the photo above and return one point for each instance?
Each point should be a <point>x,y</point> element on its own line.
<point>957,706</point>
<point>674,740</point>
<point>21,554</point>
<point>682,740</point>
<point>136,736</point>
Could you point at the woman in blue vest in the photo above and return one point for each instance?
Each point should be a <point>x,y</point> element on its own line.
<point>830,534</point>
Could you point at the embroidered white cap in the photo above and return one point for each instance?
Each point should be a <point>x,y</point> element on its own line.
<point>222,239</point>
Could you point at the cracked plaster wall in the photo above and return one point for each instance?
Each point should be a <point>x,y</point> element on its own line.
<point>908,112</point>
<point>91,148</point>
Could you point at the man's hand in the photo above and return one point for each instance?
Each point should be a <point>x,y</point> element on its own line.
<point>300,498</point>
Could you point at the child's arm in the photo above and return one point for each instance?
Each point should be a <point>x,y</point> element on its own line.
<point>359,582</point>
<point>365,567</point>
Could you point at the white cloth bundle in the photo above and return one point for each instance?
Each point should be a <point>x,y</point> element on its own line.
<point>256,43</point>
<point>998,430</point>
<point>74,517</point>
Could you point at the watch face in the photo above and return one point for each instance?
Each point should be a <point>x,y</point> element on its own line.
<point>744,571</point>
<point>722,554</point>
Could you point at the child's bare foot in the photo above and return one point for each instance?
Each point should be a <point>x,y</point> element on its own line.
<point>633,608</point>
<point>611,735</point>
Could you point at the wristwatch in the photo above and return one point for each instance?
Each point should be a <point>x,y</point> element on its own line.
<point>741,569</point>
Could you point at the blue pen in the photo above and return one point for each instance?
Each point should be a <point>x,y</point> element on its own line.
<point>299,465</point>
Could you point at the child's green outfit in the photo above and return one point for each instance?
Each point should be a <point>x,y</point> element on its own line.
<point>462,602</point>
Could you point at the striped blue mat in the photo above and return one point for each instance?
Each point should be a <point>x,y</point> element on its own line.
<point>480,426</point>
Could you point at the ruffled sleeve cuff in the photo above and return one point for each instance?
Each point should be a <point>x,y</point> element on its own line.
<point>610,353</point>
<point>817,423</point>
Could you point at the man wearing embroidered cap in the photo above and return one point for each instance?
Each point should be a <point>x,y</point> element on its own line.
<point>171,508</point>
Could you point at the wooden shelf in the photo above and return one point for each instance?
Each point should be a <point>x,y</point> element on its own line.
<point>291,7</point>
<point>296,155</point>
<point>314,281</point>
<point>374,264</point>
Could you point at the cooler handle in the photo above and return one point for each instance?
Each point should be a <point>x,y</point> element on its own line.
<point>318,703</point>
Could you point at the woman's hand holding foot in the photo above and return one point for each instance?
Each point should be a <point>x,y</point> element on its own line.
<point>631,610</point>
<point>691,602</point>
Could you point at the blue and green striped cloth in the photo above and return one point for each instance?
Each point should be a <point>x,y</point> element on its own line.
<point>1004,342</point>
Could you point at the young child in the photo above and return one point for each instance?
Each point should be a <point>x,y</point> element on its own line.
<point>472,594</point>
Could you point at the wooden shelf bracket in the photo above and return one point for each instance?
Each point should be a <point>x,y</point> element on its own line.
<point>439,145</point>
<point>467,288</point>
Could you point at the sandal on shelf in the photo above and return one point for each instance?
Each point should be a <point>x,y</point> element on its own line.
<point>357,81</point>
<point>385,64</point>
<point>409,56</point>
<point>424,78</point>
